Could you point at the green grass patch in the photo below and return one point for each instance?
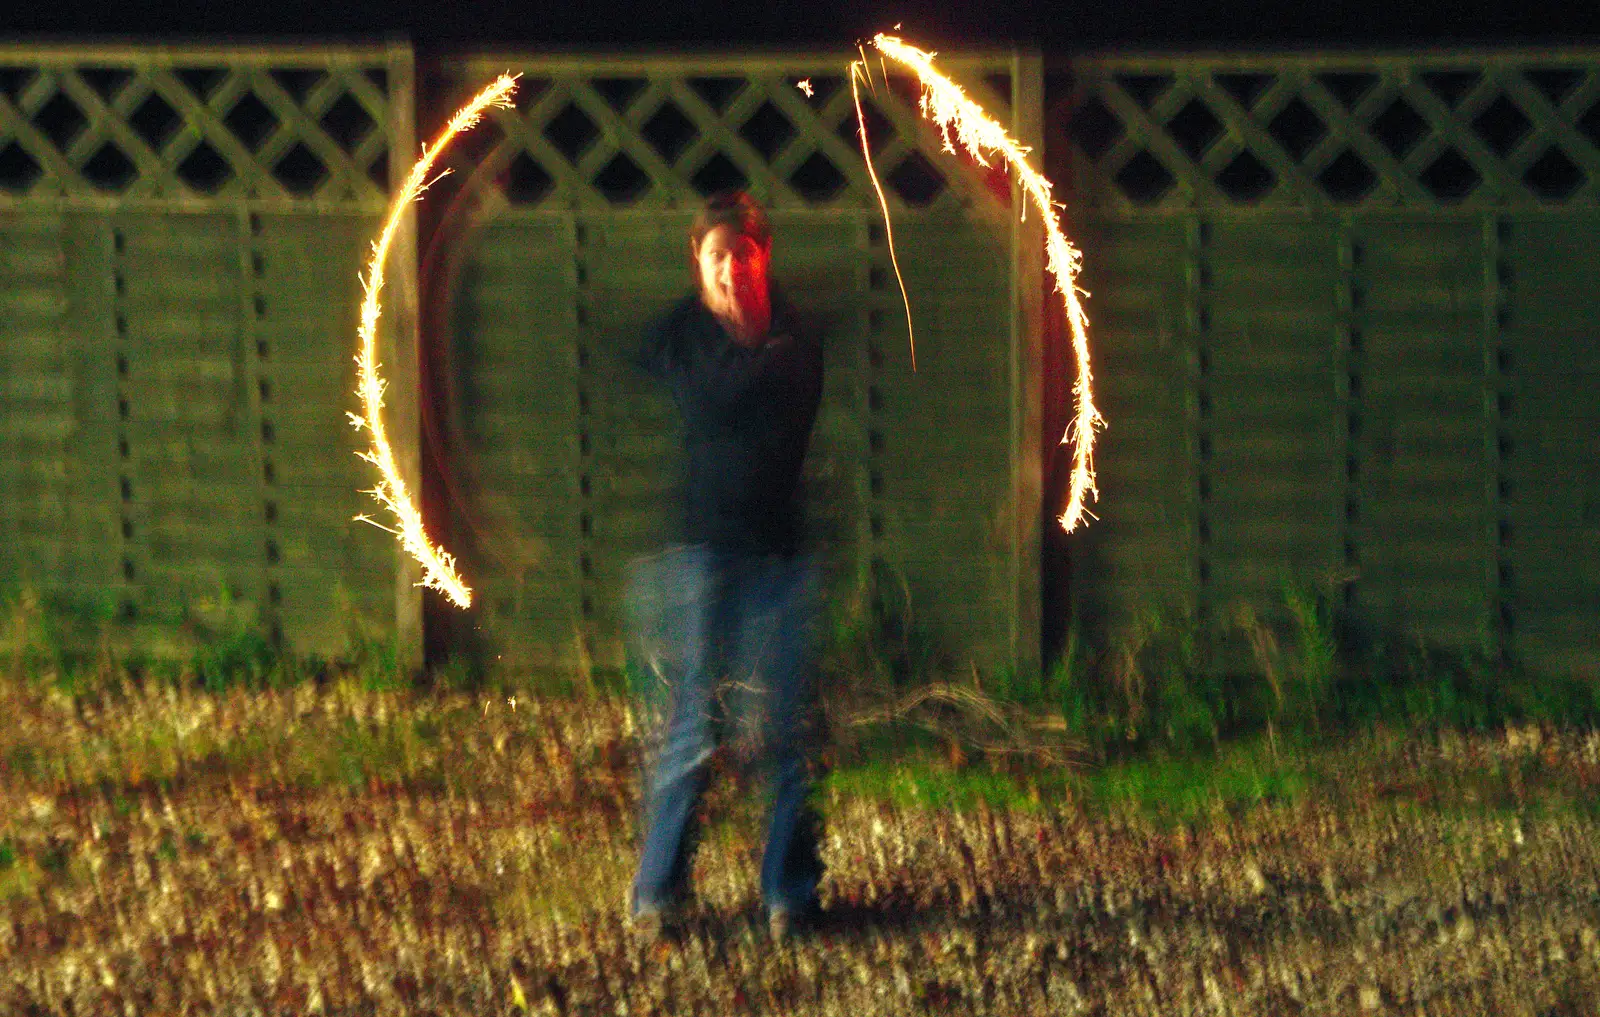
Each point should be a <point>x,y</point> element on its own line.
<point>1178,789</point>
<point>19,880</point>
<point>357,754</point>
<point>1172,788</point>
<point>928,785</point>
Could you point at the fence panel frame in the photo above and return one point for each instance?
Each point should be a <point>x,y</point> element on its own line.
<point>352,180</point>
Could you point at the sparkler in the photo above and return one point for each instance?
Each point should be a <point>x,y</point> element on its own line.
<point>438,567</point>
<point>960,120</point>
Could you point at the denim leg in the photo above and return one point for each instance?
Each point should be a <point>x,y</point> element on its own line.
<point>776,616</point>
<point>676,765</point>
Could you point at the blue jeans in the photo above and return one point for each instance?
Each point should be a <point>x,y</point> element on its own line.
<point>701,618</point>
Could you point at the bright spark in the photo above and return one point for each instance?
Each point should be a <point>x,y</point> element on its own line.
<point>804,85</point>
<point>438,567</point>
<point>960,120</point>
<point>858,71</point>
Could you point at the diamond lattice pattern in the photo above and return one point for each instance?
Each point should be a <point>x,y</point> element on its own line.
<point>1181,133</point>
<point>166,126</point>
<point>657,135</point>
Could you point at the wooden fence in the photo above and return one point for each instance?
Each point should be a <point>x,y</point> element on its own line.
<point>180,231</point>
<point>568,231</point>
<point>1342,319</point>
<point>1346,318</point>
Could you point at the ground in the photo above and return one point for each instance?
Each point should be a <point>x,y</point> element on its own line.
<point>329,850</point>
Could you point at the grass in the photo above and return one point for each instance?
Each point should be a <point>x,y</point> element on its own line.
<point>1183,735</point>
<point>909,769</point>
<point>1173,790</point>
<point>353,756</point>
<point>1176,725</point>
<point>925,785</point>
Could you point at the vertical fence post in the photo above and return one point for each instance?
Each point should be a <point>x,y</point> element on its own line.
<point>402,372</point>
<point>1027,356</point>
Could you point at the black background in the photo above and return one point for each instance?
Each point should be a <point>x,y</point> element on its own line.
<point>1128,25</point>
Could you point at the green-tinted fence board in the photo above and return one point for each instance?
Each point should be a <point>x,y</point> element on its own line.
<point>169,314</point>
<point>1422,512</point>
<point>514,371</point>
<point>324,467</point>
<point>35,391</point>
<point>39,426</point>
<point>503,344</point>
<point>55,470</point>
<point>178,539</point>
<point>1549,398</point>
<point>1556,498</point>
<point>512,486</point>
<point>46,562</point>
<point>333,381</point>
<point>1548,444</point>
<point>308,609</point>
<point>550,516</point>
<point>32,307</point>
<point>357,546</point>
<point>1559,555</point>
<point>1265,337</point>
<point>1153,303</point>
<point>1141,548</point>
<point>520,311</point>
<point>190,282</point>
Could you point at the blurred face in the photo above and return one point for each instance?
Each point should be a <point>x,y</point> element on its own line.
<point>733,273</point>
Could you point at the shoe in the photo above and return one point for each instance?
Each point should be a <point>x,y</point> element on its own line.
<point>651,920</point>
<point>649,923</point>
<point>784,921</point>
<point>780,923</point>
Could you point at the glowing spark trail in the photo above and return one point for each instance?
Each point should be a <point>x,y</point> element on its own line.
<point>961,120</point>
<point>438,567</point>
<point>858,69</point>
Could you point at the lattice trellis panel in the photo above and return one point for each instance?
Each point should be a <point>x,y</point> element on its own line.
<point>189,226</point>
<point>615,133</point>
<point>221,125</point>
<point>585,193</point>
<point>1432,131</point>
<point>1339,348</point>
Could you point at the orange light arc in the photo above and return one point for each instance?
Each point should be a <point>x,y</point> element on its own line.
<point>962,121</point>
<point>438,566</point>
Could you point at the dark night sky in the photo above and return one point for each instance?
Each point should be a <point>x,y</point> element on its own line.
<point>693,24</point>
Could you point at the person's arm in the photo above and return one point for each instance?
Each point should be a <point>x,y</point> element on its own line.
<point>722,384</point>
<point>790,357</point>
<point>654,355</point>
<point>808,359</point>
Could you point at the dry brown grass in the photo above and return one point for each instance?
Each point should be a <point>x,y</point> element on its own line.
<point>343,852</point>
